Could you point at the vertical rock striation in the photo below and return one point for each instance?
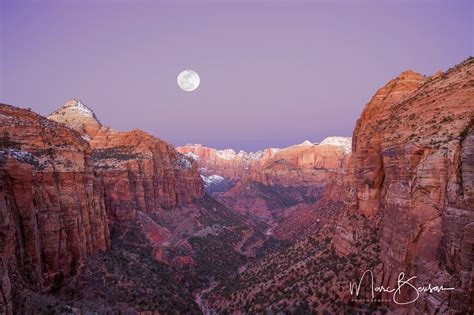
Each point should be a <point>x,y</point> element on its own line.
<point>141,172</point>
<point>412,174</point>
<point>51,215</point>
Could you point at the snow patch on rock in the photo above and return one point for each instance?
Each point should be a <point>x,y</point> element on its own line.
<point>78,106</point>
<point>229,154</point>
<point>226,154</point>
<point>306,143</point>
<point>344,142</point>
<point>183,162</point>
<point>212,180</point>
<point>20,155</point>
<point>7,117</point>
<point>192,155</point>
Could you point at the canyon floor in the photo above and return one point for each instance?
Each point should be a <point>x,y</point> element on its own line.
<point>99,221</point>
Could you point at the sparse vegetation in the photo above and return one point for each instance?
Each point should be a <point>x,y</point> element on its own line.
<point>122,153</point>
<point>58,282</point>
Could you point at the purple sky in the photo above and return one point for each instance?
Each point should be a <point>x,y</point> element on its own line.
<point>272,73</point>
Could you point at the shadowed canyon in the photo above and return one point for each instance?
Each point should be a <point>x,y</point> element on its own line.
<point>95,220</point>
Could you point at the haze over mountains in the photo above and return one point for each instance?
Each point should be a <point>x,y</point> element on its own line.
<point>98,220</point>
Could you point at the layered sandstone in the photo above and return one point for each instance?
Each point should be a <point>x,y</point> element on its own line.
<point>79,117</point>
<point>412,172</point>
<point>142,173</point>
<point>52,215</point>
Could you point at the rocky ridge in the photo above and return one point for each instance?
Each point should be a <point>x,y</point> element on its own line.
<point>412,173</point>
<point>278,186</point>
<point>79,117</point>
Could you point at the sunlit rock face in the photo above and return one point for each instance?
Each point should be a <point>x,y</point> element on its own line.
<point>142,172</point>
<point>411,171</point>
<point>269,181</point>
<point>138,171</point>
<point>288,166</point>
<point>52,213</point>
<point>79,117</point>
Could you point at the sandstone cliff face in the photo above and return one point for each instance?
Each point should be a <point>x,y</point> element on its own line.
<point>412,173</point>
<point>51,214</point>
<point>148,184</point>
<point>141,172</point>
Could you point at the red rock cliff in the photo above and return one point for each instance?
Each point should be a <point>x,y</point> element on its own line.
<point>146,184</point>
<point>412,173</point>
<point>141,172</point>
<point>51,215</point>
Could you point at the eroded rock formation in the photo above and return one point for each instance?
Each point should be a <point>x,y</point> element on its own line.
<point>412,171</point>
<point>79,117</point>
<point>52,216</point>
<point>141,172</point>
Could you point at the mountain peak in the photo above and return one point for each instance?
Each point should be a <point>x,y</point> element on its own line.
<point>306,142</point>
<point>77,116</point>
<point>76,105</point>
<point>344,142</point>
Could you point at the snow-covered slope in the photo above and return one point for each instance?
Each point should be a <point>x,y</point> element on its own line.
<point>344,142</point>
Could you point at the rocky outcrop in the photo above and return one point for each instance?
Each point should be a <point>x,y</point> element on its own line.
<point>79,117</point>
<point>141,172</point>
<point>227,162</point>
<point>412,173</point>
<point>52,216</point>
<point>145,183</point>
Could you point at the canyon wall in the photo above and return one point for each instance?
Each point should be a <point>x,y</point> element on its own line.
<point>145,182</point>
<point>141,172</point>
<point>138,172</point>
<point>52,213</point>
<point>411,169</point>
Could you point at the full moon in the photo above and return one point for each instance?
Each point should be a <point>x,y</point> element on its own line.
<point>188,80</point>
